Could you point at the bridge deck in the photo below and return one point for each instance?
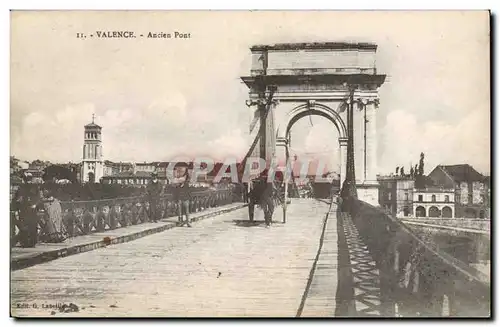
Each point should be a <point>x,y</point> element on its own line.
<point>221,267</point>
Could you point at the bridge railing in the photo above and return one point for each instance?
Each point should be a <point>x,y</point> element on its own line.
<point>87,217</point>
<point>416,278</point>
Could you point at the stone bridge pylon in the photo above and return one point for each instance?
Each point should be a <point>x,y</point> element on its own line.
<point>319,79</point>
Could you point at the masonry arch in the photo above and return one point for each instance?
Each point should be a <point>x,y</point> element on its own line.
<point>447,212</point>
<point>313,108</point>
<point>434,212</point>
<point>420,211</point>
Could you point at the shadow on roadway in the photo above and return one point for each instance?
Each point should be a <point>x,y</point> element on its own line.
<point>327,201</point>
<point>358,293</point>
<point>255,223</point>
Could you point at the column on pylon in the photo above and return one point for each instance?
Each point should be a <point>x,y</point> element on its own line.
<point>371,140</point>
<point>342,158</point>
<point>350,166</point>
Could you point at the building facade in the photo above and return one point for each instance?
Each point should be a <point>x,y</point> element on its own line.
<point>434,202</point>
<point>396,195</point>
<point>113,168</point>
<point>471,189</point>
<point>139,179</point>
<point>92,163</point>
<point>108,168</point>
<point>146,167</point>
<point>161,169</point>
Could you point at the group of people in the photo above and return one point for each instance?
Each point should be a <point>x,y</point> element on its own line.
<point>181,193</point>
<point>260,192</point>
<point>37,213</point>
<point>34,208</point>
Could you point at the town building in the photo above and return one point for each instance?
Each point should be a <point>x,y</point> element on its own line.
<point>108,168</point>
<point>17,166</point>
<point>396,194</point>
<point>471,189</point>
<point>92,164</point>
<point>140,174</point>
<point>434,202</point>
<point>113,168</point>
<point>32,172</point>
<point>34,175</point>
<point>146,167</point>
<point>487,184</point>
<point>139,178</point>
<point>161,169</point>
<point>39,165</point>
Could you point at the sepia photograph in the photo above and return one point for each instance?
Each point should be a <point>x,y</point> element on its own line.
<point>250,164</point>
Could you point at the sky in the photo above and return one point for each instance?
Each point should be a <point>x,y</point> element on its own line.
<point>157,99</point>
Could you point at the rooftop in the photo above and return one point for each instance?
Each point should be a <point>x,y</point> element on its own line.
<point>434,189</point>
<point>146,164</point>
<point>93,125</point>
<point>394,177</point>
<point>462,173</point>
<point>129,174</point>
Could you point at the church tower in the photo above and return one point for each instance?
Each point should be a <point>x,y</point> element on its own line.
<point>93,164</point>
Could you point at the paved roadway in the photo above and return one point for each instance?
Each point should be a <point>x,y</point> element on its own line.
<point>220,267</point>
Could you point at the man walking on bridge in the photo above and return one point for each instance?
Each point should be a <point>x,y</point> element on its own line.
<point>261,193</point>
<point>154,191</point>
<point>182,195</point>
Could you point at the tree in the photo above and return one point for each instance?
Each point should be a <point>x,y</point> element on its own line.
<point>421,165</point>
<point>397,170</point>
<point>415,171</point>
<point>14,165</point>
<point>59,172</point>
<point>13,161</point>
<point>402,171</point>
<point>411,171</point>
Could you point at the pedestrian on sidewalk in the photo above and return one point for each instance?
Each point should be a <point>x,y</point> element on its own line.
<point>154,191</point>
<point>245,192</point>
<point>182,195</point>
<point>28,202</point>
<point>54,228</point>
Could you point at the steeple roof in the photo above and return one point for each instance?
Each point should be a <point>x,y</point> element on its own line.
<point>93,125</point>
